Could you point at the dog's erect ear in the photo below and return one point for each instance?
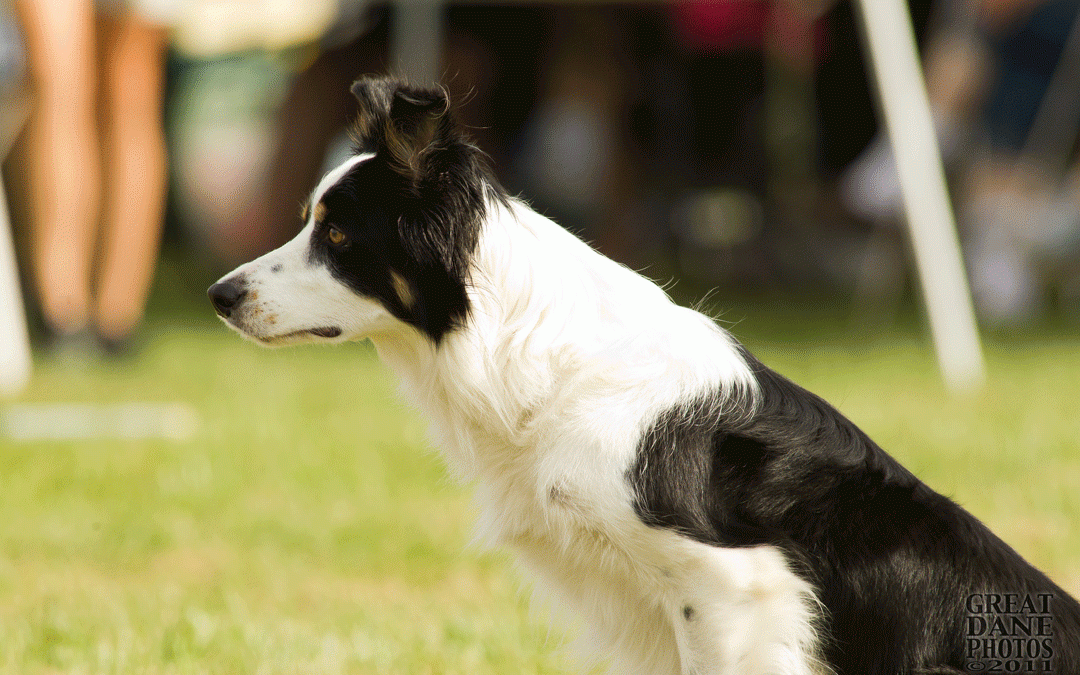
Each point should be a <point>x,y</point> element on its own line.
<point>374,95</point>
<point>403,121</point>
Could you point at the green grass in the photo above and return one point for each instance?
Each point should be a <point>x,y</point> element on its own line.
<point>308,528</point>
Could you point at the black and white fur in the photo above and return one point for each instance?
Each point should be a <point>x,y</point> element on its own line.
<point>702,514</point>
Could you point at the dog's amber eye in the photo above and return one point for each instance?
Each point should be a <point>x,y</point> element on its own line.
<point>335,236</point>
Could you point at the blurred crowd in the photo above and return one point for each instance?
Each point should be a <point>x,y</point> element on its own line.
<point>729,141</point>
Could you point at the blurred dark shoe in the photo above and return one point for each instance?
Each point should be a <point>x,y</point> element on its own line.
<point>79,346</point>
<point>124,347</point>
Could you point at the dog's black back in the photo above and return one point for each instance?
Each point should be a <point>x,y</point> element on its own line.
<point>898,567</point>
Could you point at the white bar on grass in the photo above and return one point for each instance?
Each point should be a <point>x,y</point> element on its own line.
<point>88,421</point>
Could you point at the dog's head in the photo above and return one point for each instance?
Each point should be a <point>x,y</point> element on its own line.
<point>387,236</point>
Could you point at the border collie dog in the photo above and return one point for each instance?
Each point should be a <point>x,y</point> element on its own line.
<point>700,513</point>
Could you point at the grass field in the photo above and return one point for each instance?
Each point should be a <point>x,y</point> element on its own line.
<point>306,527</point>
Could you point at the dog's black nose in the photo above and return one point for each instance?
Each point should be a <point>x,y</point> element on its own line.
<point>225,295</point>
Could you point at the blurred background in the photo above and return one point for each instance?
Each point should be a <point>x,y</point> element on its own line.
<point>730,144</point>
<point>175,500</point>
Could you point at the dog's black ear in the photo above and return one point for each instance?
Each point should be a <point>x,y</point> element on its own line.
<point>374,95</point>
<point>403,121</point>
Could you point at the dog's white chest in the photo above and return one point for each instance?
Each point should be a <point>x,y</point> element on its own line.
<point>653,602</point>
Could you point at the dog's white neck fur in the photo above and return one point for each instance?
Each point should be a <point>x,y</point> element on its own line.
<point>551,320</point>
<point>541,400</point>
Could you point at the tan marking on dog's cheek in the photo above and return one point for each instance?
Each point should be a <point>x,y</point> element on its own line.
<point>320,212</point>
<point>253,296</point>
<point>403,290</point>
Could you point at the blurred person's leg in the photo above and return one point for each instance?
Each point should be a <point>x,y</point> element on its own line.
<point>64,166</point>
<point>132,87</point>
<point>313,115</point>
<point>318,108</point>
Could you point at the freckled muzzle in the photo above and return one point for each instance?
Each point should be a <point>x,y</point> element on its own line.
<point>236,301</point>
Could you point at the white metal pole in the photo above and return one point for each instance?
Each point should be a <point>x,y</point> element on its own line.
<point>14,341</point>
<point>902,92</point>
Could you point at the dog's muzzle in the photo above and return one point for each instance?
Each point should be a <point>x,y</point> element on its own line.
<point>226,295</point>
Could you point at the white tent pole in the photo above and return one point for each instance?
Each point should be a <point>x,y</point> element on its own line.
<point>416,42</point>
<point>890,42</point>
<point>14,342</point>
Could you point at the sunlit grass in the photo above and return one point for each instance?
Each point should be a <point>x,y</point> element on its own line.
<point>306,527</point>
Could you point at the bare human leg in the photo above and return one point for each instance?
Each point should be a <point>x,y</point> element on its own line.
<point>64,166</point>
<point>133,80</point>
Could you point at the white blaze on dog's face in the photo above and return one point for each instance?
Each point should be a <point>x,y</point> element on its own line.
<point>291,295</point>
<point>386,239</point>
